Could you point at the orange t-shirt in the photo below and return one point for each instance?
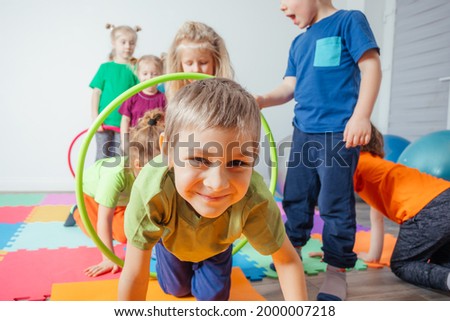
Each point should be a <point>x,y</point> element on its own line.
<point>397,191</point>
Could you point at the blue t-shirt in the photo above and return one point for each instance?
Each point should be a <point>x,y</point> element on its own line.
<point>324,60</point>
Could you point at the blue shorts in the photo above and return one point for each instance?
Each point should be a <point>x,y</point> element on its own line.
<point>208,280</point>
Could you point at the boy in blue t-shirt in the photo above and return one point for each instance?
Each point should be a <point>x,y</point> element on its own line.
<point>334,75</point>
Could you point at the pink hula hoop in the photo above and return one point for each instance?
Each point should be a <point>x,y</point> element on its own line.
<point>69,153</point>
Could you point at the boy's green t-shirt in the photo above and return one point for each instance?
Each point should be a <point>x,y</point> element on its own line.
<point>113,79</point>
<point>156,211</point>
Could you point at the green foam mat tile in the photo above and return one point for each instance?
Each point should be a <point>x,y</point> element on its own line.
<point>21,199</point>
<point>313,265</point>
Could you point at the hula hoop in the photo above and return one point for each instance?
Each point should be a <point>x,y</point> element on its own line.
<point>69,152</point>
<point>273,173</point>
<point>97,123</point>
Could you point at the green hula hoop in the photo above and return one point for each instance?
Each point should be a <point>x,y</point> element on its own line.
<point>99,121</point>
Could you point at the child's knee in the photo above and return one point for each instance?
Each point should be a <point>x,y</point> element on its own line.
<point>396,268</point>
<point>204,295</point>
<point>175,288</point>
<point>179,292</point>
<point>207,291</point>
<point>120,237</point>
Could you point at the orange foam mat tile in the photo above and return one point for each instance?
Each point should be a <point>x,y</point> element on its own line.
<point>106,290</point>
<point>362,244</point>
<point>2,254</point>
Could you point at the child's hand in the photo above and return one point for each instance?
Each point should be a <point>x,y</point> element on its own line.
<point>316,254</point>
<point>259,100</point>
<point>357,131</point>
<point>100,129</point>
<point>103,267</point>
<point>366,257</point>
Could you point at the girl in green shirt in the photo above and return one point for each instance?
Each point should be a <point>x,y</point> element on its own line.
<point>112,79</point>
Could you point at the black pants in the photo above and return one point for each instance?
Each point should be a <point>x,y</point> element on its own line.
<point>422,253</point>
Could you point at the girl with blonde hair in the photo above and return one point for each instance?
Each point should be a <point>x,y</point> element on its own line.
<point>197,48</point>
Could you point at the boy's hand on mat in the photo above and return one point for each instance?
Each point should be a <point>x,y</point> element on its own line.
<point>103,267</point>
<point>366,257</point>
<point>316,254</point>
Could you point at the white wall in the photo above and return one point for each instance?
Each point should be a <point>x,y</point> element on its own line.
<point>52,48</point>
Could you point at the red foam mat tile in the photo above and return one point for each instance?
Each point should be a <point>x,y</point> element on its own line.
<point>29,275</point>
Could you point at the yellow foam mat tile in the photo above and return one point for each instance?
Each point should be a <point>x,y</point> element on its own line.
<point>2,255</point>
<point>49,213</point>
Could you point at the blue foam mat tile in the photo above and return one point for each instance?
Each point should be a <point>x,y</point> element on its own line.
<point>250,267</point>
<point>261,261</point>
<point>48,235</point>
<point>8,232</point>
<point>153,264</point>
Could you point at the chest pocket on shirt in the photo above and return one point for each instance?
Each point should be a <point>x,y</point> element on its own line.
<point>328,52</point>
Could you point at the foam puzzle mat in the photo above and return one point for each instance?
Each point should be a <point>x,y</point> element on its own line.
<point>37,251</point>
<point>241,290</point>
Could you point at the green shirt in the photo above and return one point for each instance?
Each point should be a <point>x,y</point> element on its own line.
<point>156,211</point>
<point>109,182</point>
<point>113,79</point>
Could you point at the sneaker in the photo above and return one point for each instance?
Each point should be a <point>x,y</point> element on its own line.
<point>70,221</point>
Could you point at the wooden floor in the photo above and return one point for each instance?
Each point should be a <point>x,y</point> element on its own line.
<point>369,285</point>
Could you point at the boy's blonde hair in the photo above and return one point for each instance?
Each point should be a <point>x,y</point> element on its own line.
<point>213,103</point>
<point>151,59</point>
<point>376,143</point>
<point>204,36</point>
<point>144,137</point>
<point>115,31</point>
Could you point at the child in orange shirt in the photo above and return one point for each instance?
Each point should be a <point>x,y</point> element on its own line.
<point>417,201</point>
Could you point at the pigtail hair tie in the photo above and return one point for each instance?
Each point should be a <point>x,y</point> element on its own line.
<point>154,121</point>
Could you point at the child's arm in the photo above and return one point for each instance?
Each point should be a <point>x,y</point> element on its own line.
<point>290,272</point>
<point>376,237</point>
<point>357,130</point>
<point>95,101</point>
<point>124,129</point>
<point>133,282</point>
<point>104,231</point>
<point>280,95</point>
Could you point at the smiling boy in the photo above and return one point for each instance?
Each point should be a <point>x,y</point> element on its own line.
<point>192,210</point>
